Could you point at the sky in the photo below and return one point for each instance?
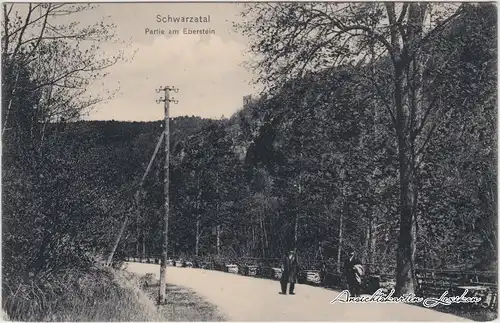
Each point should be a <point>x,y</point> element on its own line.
<point>207,69</point>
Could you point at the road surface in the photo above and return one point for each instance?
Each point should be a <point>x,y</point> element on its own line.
<point>241,298</point>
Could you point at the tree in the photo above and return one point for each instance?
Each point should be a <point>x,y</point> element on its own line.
<point>62,60</point>
<point>460,154</point>
<point>389,44</point>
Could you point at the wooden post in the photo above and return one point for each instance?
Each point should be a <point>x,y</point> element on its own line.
<point>164,255</point>
<point>166,181</point>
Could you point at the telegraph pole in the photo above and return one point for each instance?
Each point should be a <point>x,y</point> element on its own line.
<point>166,181</point>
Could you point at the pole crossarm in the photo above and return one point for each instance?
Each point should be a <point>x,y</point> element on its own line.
<point>166,98</point>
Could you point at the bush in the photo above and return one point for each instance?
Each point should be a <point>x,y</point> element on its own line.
<point>101,294</point>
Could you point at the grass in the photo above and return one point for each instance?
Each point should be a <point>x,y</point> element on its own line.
<point>471,313</point>
<point>183,304</point>
<point>103,294</point>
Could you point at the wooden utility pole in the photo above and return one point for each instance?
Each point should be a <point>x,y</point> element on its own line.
<point>166,181</point>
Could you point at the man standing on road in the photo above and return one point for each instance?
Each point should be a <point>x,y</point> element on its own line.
<point>290,270</point>
<point>353,270</point>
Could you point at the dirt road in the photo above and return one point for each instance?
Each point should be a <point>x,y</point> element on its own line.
<point>242,298</point>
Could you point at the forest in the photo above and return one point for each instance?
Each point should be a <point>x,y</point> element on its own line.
<point>382,145</point>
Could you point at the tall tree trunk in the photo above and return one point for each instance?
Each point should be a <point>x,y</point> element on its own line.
<point>296,236</point>
<point>137,241</point>
<point>367,244</point>
<point>263,252</point>
<point>414,220</point>
<point>297,216</point>
<point>217,228</point>
<point>339,250</point>
<point>253,238</point>
<point>198,201</point>
<point>264,232</point>
<point>137,227</point>
<point>407,64</point>
<point>263,235</point>
<point>370,243</point>
<point>404,270</point>
<point>143,243</point>
<point>197,246</point>
<point>266,241</point>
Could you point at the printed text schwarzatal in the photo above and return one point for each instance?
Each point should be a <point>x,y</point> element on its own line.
<point>182,19</point>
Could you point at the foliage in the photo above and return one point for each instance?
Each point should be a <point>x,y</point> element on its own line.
<point>55,212</point>
<point>400,53</point>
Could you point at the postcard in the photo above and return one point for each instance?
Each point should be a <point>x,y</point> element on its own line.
<point>249,161</point>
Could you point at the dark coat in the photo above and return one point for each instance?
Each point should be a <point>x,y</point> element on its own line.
<point>349,271</point>
<point>290,269</point>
